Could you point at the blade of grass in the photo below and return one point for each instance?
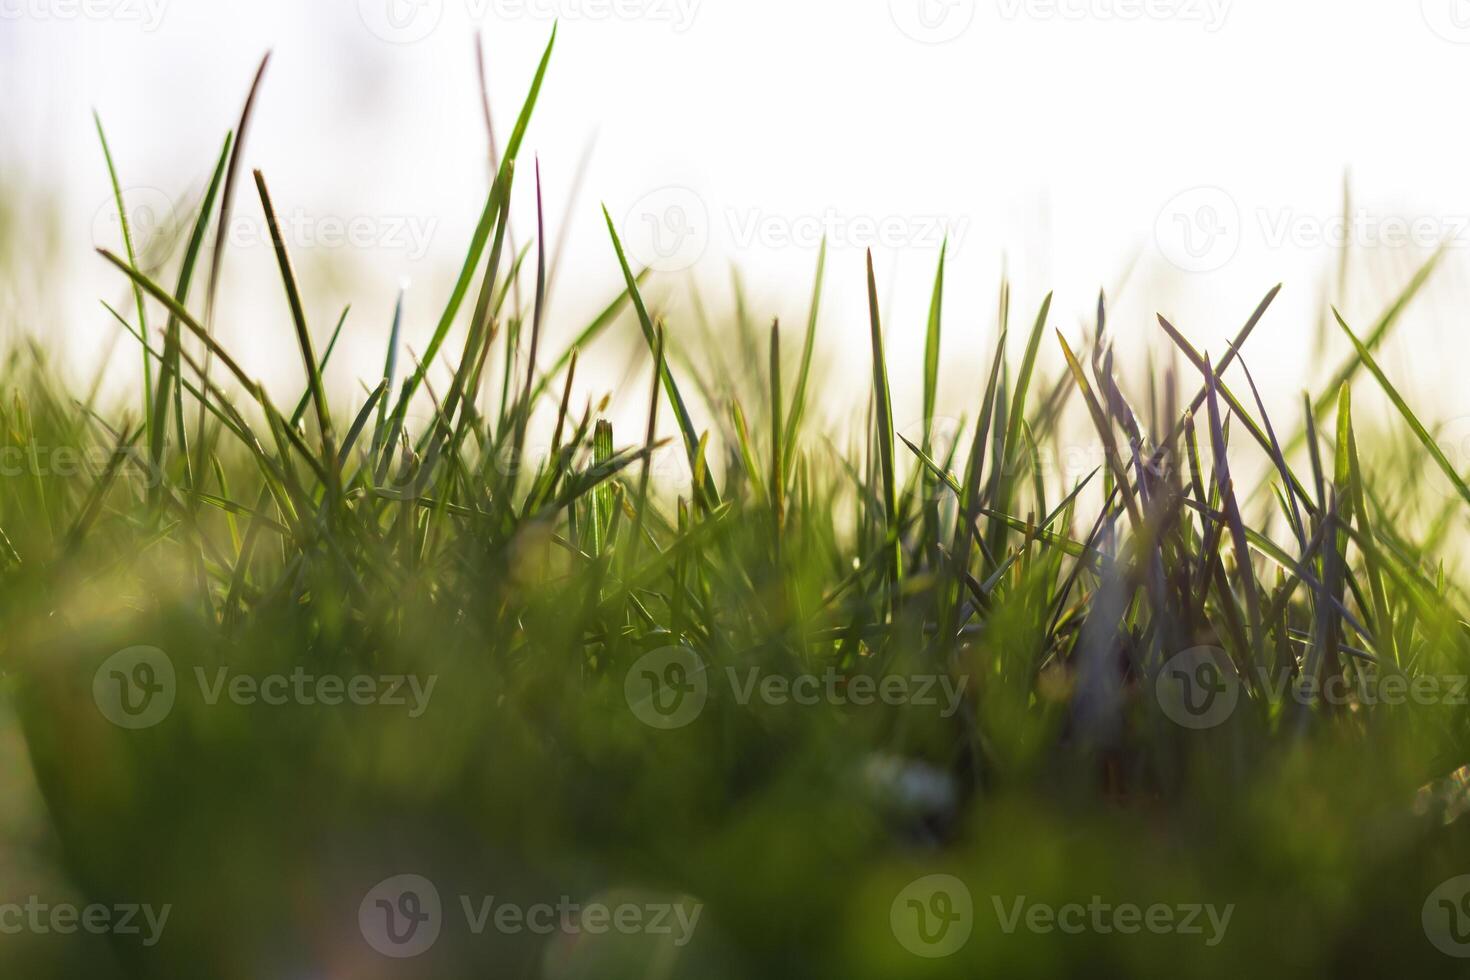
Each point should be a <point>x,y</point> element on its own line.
<point>1420,433</point>
<point>127,236</point>
<point>298,320</point>
<point>671,388</point>
<point>1352,470</point>
<point>226,217</point>
<point>884,425</point>
<point>798,397</point>
<point>931,348</point>
<point>488,219</point>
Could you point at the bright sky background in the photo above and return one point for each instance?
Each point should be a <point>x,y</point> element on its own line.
<point>1063,138</point>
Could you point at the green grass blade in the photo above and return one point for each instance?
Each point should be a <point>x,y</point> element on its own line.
<point>298,320</point>
<point>169,378</point>
<point>671,387</point>
<point>803,376</point>
<point>1420,433</point>
<point>127,235</point>
<point>931,347</point>
<point>1383,638</point>
<point>884,423</point>
<point>488,217</point>
<point>1375,337</point>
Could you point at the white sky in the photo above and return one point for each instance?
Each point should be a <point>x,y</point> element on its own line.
<point>1059,134</point>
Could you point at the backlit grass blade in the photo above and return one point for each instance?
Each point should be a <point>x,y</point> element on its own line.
<point>359,423</point>
<point>931,347</point>
<point>970,495</point>
<point>524,412</point>
<point>298,320</point>
<point>1223,391</point>
<point>1342,470</point>
<point>1226,486</point>
<point>1353,488</point>
<point>1420,433</point>
<point>169,377</point>
<point>1278,458</point>
<point>602,502</point>
<point>1009,419</point>
<point>1104,431</point>
<point>131,253</point>
<point>175,308</point>
<point>803,375</point>
<point>671,387</point>
<point>222,234</point>
<point>93,507</point>
<point>747,453</point>
<point>390,374</point>
<point>1235,347</point>
<point>1037,532</point>
<point>650,437</point>
<point>1017,413</point>
<point>227,201</point>
<point>589,333</point>
<point>1375,337</point>
<point>1314,451</point>
<point>884,425</point>
<point>778,480</point>
<point>488,217</point>
<point>934,467</point>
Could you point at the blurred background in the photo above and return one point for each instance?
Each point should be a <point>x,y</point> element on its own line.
<point>1185,155</point>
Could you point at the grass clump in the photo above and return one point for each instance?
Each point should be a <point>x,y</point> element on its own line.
<point>788,691</point>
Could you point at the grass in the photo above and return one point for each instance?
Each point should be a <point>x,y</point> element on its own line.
<point>539,590</point>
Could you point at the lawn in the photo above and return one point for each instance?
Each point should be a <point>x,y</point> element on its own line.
<point>315,684</point>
